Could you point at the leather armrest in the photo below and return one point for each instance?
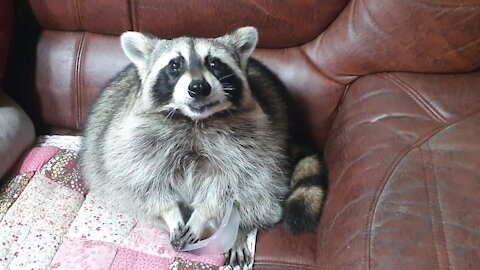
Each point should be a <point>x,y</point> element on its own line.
<point>16,133</point>
<point>403,154</point>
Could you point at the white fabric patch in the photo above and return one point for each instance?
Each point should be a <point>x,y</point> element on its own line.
<point>97,222</point>
<point>11,239</point>
<point>60,141</point>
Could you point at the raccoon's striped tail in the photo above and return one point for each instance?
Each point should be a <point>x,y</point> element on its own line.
<point>308,189</point>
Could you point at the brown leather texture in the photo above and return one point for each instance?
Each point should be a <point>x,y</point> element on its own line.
<point>6,21</point>
<point>372,36</point>
<point>389,89</point>
<point>404,161</point>
<point>84,63</point>
<point>279,249</point>
<point>280,25</point>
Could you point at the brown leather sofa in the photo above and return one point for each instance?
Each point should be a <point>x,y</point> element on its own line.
<point>388,89</point>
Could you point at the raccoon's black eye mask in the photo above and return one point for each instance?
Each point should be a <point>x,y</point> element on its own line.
<point>176,66</point>
<point>232,85</point>
<point>215,63</point>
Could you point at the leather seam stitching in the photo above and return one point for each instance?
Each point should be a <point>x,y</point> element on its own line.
<point>430,208</point>
<point>78,78</point>
<point>81,81</point>
<point>74,97</point>
<point>438,205</point>
<point>417,97</point>
<point>379,190</point>
<point>381,186</point>
<point>283,263</point>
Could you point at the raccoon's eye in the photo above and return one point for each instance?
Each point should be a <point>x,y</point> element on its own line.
<point>175,65</point>
<point>215,63</point>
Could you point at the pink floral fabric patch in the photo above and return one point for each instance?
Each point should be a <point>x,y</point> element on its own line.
<point>76,254</point>
<point>35,159</point>
<point>95,221</point>
<point>134,260</point>
<point>152,240</point>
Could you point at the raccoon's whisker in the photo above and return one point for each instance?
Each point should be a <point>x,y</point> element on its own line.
<point>172,111</point>
<point>229,112</point>
<point>226,76</point>
<point>226,84</point>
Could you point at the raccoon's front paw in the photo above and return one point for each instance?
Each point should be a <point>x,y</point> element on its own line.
<point>175,236</point>
<point>184,235</point>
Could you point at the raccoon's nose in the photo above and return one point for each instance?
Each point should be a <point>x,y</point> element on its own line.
<point>199,88</point>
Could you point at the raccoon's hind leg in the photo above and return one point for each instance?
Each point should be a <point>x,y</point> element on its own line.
<point>304,205</point>
<point>239,256</point>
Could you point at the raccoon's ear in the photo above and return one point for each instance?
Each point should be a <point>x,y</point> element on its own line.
<point>244,40</point>
<point>137,47</point>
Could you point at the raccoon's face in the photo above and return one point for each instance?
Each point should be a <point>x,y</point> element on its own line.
<point>194,76</point>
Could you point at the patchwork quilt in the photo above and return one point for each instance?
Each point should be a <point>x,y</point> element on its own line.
<point>48,220</point>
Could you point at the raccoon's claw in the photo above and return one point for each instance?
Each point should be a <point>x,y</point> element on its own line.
<point>177,244</point>
<point>184,236</point>
<point>176,235</point>
<point>239,258</point>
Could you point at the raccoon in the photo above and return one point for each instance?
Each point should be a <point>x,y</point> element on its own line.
<point>195,123</point>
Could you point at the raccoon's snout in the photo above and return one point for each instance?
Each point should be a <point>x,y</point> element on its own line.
<point>199,88</point>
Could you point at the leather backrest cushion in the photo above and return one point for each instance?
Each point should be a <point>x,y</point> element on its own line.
<point>78,49</point>
<point>282,23</point>
<point>428,36</point>
<point>72,68</point>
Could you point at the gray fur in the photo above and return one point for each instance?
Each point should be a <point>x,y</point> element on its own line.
<point>147,159</point>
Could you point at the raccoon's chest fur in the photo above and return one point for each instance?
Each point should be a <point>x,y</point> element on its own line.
<point>193,162</point>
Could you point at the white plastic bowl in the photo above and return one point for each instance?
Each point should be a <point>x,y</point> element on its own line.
<point>223,238</point>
